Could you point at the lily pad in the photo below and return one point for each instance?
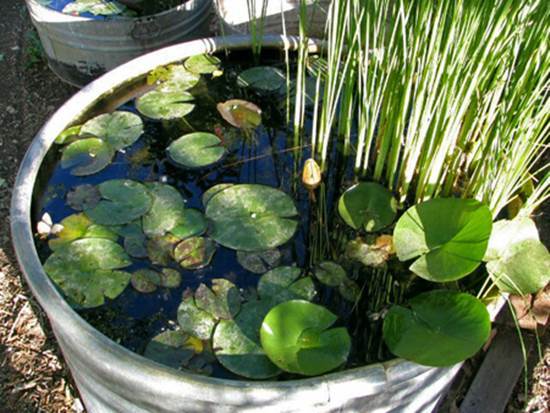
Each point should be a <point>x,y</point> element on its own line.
<point>166,211</point>
<point>68,135</point>
<point>330,273</point>
<point>251,217</point>
<point>349,290</point>
<point>371,255</point>
<point>170,278</point>
<point>95,7</point>
<point>262,78</point>
<point>259,262</point>
<point>87,156</point>
<point>165,105</point>
<point>210,192</point>
<point>284,283</point>
<point>173,78</point>
<point>196,150</point>
<point>190,223</point>
<point>83,197</point>
<point>202,64</point>
<point>161,249</point>
<point>440,328</point>
<point>367,205</point>
<point>135,246</point>
<point>240,113</point>
<point>448,235</point>
<point>223,301</point>
<point>171,348</point>
<point>193,320</point>
<point>78,226</point>
<point>145,280</point>
<point>296,336</point>
<point>194,253</point>
<point>119,129</point>
<point>237,346</point>
<point>83,269</point>
<point>507,232</point>
<point>124,201</point>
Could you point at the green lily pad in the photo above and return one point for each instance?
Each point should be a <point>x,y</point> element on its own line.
<point>170,348</point>
<point>259,262</point>
<point>95,7</point>
<point>119,129</point>
<point>83,269</point>
<point>78,226</point>
<point>448,235</point>
<point>210,192</point>
<point>223,301</point>
<point>124,201</point>
<point>349,290</point>
<point>251,217</point>
<point>83,197</point>
<point>87,156</point>
<point>330,273</point>
<point>165,105</point>
<point>170,278</point>
<point>193,320</point>
<point>196,150</point>
<point>262,78</point>
<point>240,113</point>
<point>145,280</point>
<point>202,64</point>
<point>161,249</point>
<point>135,246</point>
<point>166,211</point>
<point>237,346</point>
<point>173,78</point>
<point>296,336</point>
<point>194,253</point>
<point>367,205</point>
<point>284,283</point>
<point>523,268</point>
<point>68,135</point>
<point>191,223</point>
<point>507,232</point>
<point>440,328</point>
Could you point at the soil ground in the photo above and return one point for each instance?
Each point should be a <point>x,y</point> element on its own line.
<point>33,375</point>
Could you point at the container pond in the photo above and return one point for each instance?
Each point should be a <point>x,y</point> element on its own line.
<point>195,259</point>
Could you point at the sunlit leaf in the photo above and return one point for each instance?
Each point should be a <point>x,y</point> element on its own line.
<point>196,150</point>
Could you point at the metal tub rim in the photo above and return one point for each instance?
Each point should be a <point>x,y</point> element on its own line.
<point>351,383</point>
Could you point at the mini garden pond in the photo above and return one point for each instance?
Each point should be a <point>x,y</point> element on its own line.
<point>187,225</point>
<point>101,9</point>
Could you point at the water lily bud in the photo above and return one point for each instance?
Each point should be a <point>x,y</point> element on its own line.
<point>311,175</point>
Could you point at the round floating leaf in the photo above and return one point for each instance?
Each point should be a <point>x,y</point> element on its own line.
<point>262,78</point>
<point>95,7</point>
<point>330,273</point>
<point>87,156</point>
<point>196,150</point>
<point>440,328</point>
<point>448,235</point>
<point>73,227</point>
<point>210,192</point>
<point>135,245</point>
<point>367,205</point>
<point>522,268</point>
<point>119,129</point>
<point>124,201</point>
<point>174,78</point>
<point>171,348</point>
<point>166,211</point>
<point>237,346</point>
<point>251,217</point>
<point>193,320</point>
<point>100,231</point>
<point>223,301</point>
<point>191,223</point>
<point>371,255</point>
<point>145,280</point>
<point>165,105</point>
<point>349,290</point>
<point>194,253</point>
<point>83,197</point>
<point>296,337</point>
<point>94,253</point>
<point>170,278</point>
<point>506,232</point>
<point>240,113</point>
<point>259,262</point>
<point>68,135</point>
<point>284,283</point>
<point>161,249</point>
<point>202,64</point>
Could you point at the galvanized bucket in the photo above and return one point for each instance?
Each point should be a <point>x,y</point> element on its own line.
<point>79,49</point>
<point>235,16</point>
<point>113,379</point>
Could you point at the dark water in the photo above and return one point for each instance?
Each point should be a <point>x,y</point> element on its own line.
<point>134,318</point>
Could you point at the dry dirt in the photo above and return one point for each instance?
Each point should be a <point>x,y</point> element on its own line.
<point>33,375</point>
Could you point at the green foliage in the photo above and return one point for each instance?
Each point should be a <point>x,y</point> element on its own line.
<point>438,328</point>
<point>119,129</point>
<point>196,150</point>
<point>262,79</point>
<point>165,105</point>
<point>285,283</point>
<point>240,113</point>
<point>202,64</point>
<point>259,262</point>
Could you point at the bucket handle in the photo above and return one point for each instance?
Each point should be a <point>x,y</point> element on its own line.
<point>145,29</point>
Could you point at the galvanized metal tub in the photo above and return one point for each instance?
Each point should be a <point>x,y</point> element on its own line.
<point>113,379</point>
<point>235,16</point>
<point>79,49</point>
